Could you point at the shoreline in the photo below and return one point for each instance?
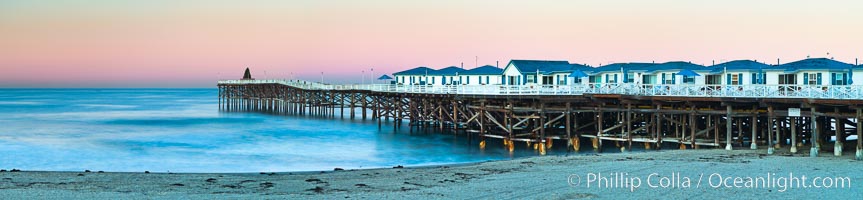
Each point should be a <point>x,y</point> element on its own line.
<point>528,177</point>
<point>10,170</point>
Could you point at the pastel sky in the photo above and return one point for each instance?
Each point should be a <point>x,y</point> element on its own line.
<point>193,43</point>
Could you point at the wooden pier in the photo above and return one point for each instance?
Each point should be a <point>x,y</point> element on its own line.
<point>547,119</point>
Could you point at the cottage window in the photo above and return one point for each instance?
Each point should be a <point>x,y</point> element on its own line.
<point>787,79</point>
<point>594,79</point>
<point>689,79</point>
<point>713,79</point>
<point>611,79</point>
<point>648,79</point>
<point>546,80</point>
<point>812,78</point>
<point>759,78</point>
<point>671,80</point>
<point>839,78</point>
<point>735,79</point>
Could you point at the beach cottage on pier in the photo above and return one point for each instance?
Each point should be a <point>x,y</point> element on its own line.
<point>428,76</point>
<point>816,71</point>
<point>447,76</point>
<point>413,76</point>
<point>622,73</point>
<point>485,75</point>
<point>535,72</point>
<point>679,73</point>
<point>744,72</point>
<point>669,73</point>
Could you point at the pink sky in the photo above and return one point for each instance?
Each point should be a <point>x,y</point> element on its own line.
<point>194,43</point>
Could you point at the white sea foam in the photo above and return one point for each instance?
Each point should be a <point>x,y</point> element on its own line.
<point>21,103</point>
<point>107,106</point>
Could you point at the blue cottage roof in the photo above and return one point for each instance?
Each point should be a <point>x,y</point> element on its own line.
<point>631,66</point>
<point>573,67</point>
<point>543,66</point>
<point>648,67</point>
<point>740,65</point>
<point>815,64</point>
<point>449,71</point>
<point>416,71</point>
<point>484,70</point>
<point>677,65</point>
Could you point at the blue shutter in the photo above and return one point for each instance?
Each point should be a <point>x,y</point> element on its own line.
<point>763,78</point>
<point>753,78</point>
<point>625,77</point>
<point>805,78</point>
<point>728,79</point>
<point>818,80</point>
<point>606,78</point>
<point>615,78</point>
<point>673,78</point>
<point>845,79</point>
<point>486,79</point>
<point>833,79</point>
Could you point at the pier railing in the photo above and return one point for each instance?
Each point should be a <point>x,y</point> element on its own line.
<point>684,90</point>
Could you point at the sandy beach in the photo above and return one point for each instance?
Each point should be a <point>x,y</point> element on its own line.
<point>662,174</point>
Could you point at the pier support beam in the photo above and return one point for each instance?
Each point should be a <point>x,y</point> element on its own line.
<point>793,134</point>
<point>771,128</point>
<point>728,128</point>
<point>628,119</point>
<point>839,124</point>
<point>753,124</point>
<point>597,142</point>
<point>859,153</point>
<point>568,126</point>
<point>692,128</point>
<point>813,152</point>
<point>658,127</point>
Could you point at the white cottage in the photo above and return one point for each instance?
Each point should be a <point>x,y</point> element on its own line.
<point>485,75</point>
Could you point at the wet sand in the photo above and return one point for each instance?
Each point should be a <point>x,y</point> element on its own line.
<point>547,177</point>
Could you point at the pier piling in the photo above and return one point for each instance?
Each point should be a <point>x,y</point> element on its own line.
<point>539,119</point>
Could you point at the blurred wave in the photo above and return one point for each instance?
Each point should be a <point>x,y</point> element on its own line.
<point>181,130</point>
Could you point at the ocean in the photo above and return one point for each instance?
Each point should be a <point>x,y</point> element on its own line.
<point>182,130</point>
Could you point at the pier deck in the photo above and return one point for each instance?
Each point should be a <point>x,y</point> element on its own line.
<point>771,116</point>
